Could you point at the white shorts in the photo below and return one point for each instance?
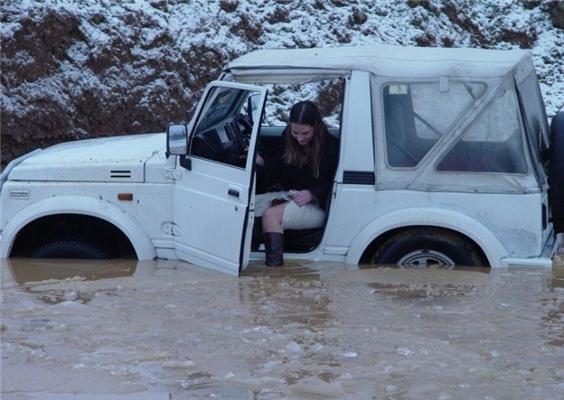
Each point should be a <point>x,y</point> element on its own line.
<point>304,217</point>
<point>295,217</point>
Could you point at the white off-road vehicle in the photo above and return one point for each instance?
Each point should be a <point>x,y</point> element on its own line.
<point>444,160</point>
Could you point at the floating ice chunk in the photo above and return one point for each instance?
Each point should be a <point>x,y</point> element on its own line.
<point>230,375</point>
<point>404,351</point>
<point>293,347</point>
<point>68,303</point>
<point>350,354</point>
<point>391,388</point>
<point>317,347</point>
<point>494,353</point>
<point>178,364</point>
<point>259,329</point>
<point>79,366</point>
<point>70,295</point>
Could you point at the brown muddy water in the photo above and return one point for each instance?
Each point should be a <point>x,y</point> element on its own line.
<point>158,330</point>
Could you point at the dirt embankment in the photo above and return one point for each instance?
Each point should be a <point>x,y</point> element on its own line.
<point>52,96</point>
<point>74,71</point>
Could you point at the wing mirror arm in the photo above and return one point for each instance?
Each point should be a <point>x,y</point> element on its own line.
<point>186,162</point>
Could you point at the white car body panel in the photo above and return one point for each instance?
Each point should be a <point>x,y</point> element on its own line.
<point>119,158</point>
<point>471,215</point>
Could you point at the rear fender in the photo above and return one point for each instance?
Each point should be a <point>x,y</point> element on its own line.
<point>414,217</point>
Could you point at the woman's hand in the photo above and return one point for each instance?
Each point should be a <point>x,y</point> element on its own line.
<point>302,197</point>
<point>259,160</point>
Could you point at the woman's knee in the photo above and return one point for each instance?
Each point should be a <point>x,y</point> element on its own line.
<point>273,215</point>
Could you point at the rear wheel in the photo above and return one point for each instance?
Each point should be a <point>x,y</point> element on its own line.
<point>65,248</point>
<point>428,248</point>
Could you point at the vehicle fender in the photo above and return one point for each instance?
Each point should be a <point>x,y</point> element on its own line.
<point>440,218</point>
<point>79,205</point>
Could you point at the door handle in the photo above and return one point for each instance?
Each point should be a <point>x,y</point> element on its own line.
<point>233,192</point>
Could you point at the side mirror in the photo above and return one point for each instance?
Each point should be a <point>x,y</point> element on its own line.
<point>176,140</point>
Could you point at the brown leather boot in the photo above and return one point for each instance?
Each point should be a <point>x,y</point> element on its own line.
<point>274,245</point>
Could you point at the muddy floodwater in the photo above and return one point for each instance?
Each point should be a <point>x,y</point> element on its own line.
<point>169,330</point>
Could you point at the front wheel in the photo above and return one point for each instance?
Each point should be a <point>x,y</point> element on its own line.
<point>428,248</point>
<point>67,248</point>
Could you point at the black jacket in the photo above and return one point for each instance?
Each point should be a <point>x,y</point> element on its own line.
<point>290,177</point>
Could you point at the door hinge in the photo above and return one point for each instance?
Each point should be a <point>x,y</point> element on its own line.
<point>171,229</point>
<point>173,174</point>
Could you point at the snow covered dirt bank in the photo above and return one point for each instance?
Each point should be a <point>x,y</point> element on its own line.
<point>304,331</point>
<point>74,69</point>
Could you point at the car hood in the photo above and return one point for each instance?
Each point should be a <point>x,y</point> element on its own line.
<point>115,159</point>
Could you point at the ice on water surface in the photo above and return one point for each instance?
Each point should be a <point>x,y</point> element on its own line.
<point>302,331</point>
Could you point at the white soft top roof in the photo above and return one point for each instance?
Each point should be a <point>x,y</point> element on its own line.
<point>392,61</point>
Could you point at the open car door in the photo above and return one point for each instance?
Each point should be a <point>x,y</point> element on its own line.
<point>214,194</point>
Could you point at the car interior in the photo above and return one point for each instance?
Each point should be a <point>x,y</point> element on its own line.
<point>225,127</point>
<point>271,144</point>
<point>223,132</point>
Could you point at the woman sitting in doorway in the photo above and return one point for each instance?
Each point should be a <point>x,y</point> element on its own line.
<point>303,178</point>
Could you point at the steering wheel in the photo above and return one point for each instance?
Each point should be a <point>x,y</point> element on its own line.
<point>247,130</point>
<point>246,133</point>
<point>235,150</point>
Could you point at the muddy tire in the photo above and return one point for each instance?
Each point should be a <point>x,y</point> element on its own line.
<point>428,248</point>
<point>556,172</point>
<point>64,248</point>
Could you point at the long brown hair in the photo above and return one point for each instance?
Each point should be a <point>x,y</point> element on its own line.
<point>305,113</point>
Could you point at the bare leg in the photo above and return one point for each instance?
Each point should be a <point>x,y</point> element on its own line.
<point>272,219</point>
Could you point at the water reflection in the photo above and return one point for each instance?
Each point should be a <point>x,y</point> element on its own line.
<point>306,330</point>
<point>557,276</point>
<point>415,291</point>
<point>27,270</point>
<point>289,295</point>
<point>485,270</point>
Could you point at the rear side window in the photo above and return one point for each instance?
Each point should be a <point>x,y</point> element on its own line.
<point>492,142</point>
<point>535,116</point>
<point>417,115</point>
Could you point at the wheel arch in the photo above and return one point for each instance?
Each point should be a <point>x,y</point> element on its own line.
<point>79,205</point>
<point>380,229</point>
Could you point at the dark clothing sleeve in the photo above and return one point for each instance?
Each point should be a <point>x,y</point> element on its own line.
<point>273,169</point>
<point>327,168</point>
<point>289,177</point>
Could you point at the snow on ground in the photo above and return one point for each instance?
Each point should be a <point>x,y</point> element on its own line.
<point>74,69</point>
